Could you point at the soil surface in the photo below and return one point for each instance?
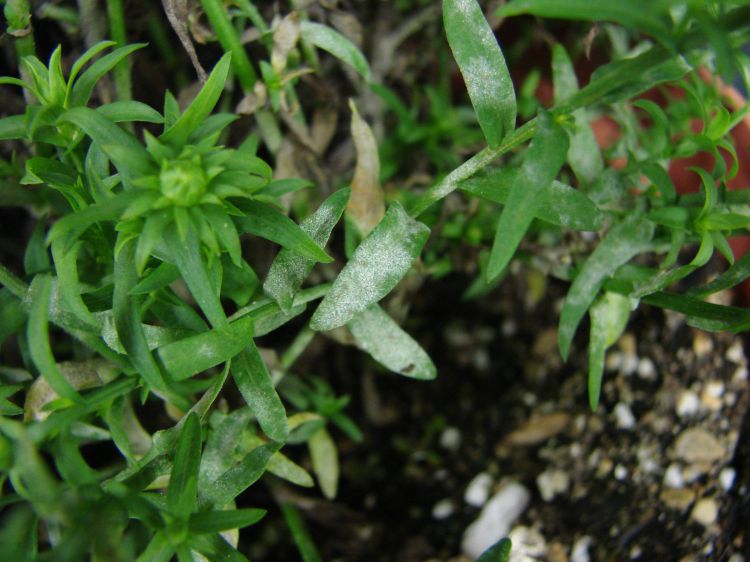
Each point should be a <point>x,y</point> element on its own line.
<point>656,473</point>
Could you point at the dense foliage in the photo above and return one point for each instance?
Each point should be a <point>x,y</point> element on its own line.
<point>137,293</point>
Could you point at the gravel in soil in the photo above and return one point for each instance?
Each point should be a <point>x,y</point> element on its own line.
<point>506,432</point>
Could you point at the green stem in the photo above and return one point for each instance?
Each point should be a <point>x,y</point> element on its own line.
<point>13,283</point>
<point>118,33</point>
<point>298,346</point>
<point>18,16</point>
<point>219,20</point>
<point>470,167</point>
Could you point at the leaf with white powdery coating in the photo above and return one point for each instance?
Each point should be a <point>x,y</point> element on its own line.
<point>339,46</point>
<point>541,164</point>
<point>377,265</point>
<point>625,241</point>
<point>483,67</point>
<point>256,386</point>
<point>290,269</point>
<point>380,336</point>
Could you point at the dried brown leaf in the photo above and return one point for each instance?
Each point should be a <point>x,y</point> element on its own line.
<point>177,14</point>
<point>367,203</point>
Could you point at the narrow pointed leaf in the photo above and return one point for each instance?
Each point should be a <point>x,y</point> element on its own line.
<point>224,520</point>
<point>202,105</point>
<point>130,110</point>
<point>378,334</point>
<point>377,265</point>
<point>83,87</point>
<point>215,547</point>
<point>561,204</point>
<point>335,43</point>
<point>265,221</point>
<point>38,338</point>
<point>300,534</point>
<point>189,356</point>
<point>103,131</point>
<point>584,155</point>
<point>186,255</point>
<point>325,462</point>
<point>290,269</point>
<point>645,15</point>
<point>240,477</point>
<point>183,481</point>
<point>735,275</point>
<point>483,67</point>
<point>256,386</point>
<point>542,162</point>
<point>625,241</point>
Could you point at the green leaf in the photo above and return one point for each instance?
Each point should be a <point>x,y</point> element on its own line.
<point>13,316</point>
<point>240,477</point>
<point>300,534</point>
<point>265,221</point>
<point>131,158</point>
<point>541,164</point>
<point>125,308</point>
<point>584,156</point>
<point>701,314</point>
<point>333,42</point>
<point>639,15</point>
<point>160,549</point>
<point>733,276</point>
<point>215,547</point>
<point>89,54</point>
<point>224,520</point>
<point>378,334</point>
<point>202,105</point>
<point>325,462</point>
<point>290,269</point>
<point>609,316</point>
<point>13,127</point>
<point>256,386</point>
<point>377,265</point>
<point>482,65</point>
<point>130,111</point>
<point>623,242</point>
<point>184,358</point>
<point>498,552</point>
<point>561,204</point>
<point>188,258</point>
<point>183,480</point>
<point>66,265</point>
<point>80,91</point>
<point>37,334</point>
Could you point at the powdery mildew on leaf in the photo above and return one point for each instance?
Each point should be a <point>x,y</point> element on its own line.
<point>482,65</point>
<point>376,267</point>
<point>289,269</point>
<point>380,336</point>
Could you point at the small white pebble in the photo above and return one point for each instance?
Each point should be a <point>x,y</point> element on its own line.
<point>646,369</point>
<point>552,482</point>
<point>740,374</point>
<point>450,438</point>
<point>726,478</point>
<point>478,490</point>
<point>508,327</point>
<point>711,395</point>
<point>705,511</point>
<point>624,416</point>
<point>629,364</point>
<point>736,558</point>
<point>621,473</point>
<point>735,353</point>
<point>673,477</point>
<point>580,550</point>
<point>442,509</point>
<point>635,552</point>
<point>688,404</point>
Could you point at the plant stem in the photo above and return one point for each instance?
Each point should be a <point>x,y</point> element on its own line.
<point>217,16</point>
<point>298,346</point>
<point>480,160</point>
<point>13,283</point>
<point>118,33</point>
<point>18,16</point>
